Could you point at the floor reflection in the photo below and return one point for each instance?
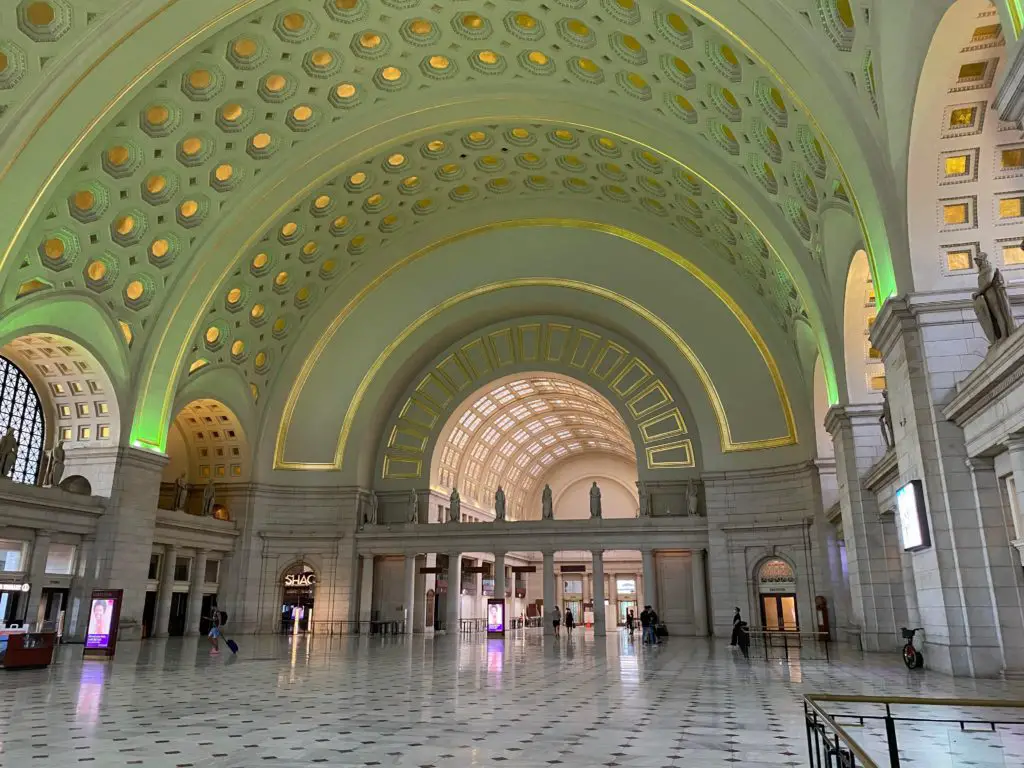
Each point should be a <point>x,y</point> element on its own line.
<point>447,702</point>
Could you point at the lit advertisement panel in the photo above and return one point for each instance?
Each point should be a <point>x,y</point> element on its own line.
<point>912,517</point>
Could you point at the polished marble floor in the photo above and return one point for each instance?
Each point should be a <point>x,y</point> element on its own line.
<point>446,702</point>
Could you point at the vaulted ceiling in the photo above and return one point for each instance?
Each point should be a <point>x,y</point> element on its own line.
<point>272,152</point>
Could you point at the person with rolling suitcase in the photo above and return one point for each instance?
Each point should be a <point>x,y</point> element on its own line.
<point>231,644</point>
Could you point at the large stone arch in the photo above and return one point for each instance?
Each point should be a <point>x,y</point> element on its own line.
<point>651,404</point>
<point>410,316</point>
<point>288,199</point>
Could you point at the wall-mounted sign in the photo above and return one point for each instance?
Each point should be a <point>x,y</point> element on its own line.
<point>15,587</point>
<point>300,580</point>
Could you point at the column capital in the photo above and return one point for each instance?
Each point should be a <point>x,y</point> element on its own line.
<point>597,553</point>
<point>846,415</point>
<point>1015,442</point>
<point>202,551</point>
<point>170,547</point>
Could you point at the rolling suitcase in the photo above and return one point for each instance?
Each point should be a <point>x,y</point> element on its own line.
<point>232,645</point>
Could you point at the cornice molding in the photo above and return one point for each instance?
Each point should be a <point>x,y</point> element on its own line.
<point>1000,371</point>
<point>885,470</point>
<point>849,415</point>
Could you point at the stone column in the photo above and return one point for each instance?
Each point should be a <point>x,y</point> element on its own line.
<point>163,605</point>
<point>928,347</point>
<point>454,602</point>
<point>700,594</point>
<point>858,441</point>
<point>81,590</point>
<point>124,533</point>
<point>600,623</point>
<point>613,600</point>
<point>499,575</point>
<point>650,583</point>
<point>992,575</point>
<point>195,595</point>
<point>366,592</point>
<point>37,575</point>
<point>549,592</point>
<point>409,601</point>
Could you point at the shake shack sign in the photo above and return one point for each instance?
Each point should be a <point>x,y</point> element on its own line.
<point>300,580</point>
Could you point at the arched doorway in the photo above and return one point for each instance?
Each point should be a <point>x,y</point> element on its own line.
<point>298,590</point>
<point>776,588</point>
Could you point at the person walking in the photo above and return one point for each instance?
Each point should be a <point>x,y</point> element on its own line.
<point>214,633</point>
<point>630,621</point>
<point>570,621</point>
<point>645,624</point>
<point>736,621</point>
<point>556,619</point>
<point>743,638</point>
<point>653,616</point>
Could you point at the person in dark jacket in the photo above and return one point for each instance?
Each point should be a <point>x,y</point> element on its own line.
<point>736,621</point>
<point>630,621</point>
<point>570,621</point>
<point>743,638</point>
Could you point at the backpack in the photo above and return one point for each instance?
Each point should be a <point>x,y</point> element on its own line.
<point>223,618</point>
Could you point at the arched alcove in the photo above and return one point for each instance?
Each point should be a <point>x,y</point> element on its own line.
<point>207,441</point>
<point>78,400</point>
<point>865,372</point>
<point>516,431</point>
<point>965,170</point>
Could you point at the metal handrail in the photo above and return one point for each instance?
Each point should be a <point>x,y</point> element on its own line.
<point>819,722</point>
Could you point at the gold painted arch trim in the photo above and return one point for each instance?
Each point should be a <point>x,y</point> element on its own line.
<point>725,433</point>
<point>624,377</point>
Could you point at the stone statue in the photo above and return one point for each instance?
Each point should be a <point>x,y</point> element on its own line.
<point>414,507</point>
<point>991,304</point>
<point>499,504</point>
<point>455,508</point>
<point>645,500</point>
<point>55,466</point>
<point>595,501</point>
<point>370,513</point>
<point>885,422</point>
<point>209,496</point>
<point>180,493</point>
<point>692,498</point>
<point>547,510</point>
<point>8,452</point>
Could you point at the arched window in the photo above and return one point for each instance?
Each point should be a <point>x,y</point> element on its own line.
<point>20,410</point>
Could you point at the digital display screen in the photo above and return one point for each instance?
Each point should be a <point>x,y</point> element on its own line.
<point>101,613</point>
<point>495,615</point>
<point>912,520</point>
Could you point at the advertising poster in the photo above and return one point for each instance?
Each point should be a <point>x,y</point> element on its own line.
<point>101,623</point>
<point>100,612</point>
<point>496,617</point>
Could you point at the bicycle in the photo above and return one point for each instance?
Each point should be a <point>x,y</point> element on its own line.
<point>912,657</point>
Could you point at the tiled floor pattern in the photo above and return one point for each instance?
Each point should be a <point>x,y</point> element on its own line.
<point>472,702</point>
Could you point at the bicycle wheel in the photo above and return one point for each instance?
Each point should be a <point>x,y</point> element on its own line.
<point>911,657</point>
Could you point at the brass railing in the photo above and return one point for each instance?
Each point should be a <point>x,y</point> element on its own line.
<point>831,745</point>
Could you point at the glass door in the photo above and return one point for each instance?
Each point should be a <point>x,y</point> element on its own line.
<point>624,606</point>
<point>778,613</point>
